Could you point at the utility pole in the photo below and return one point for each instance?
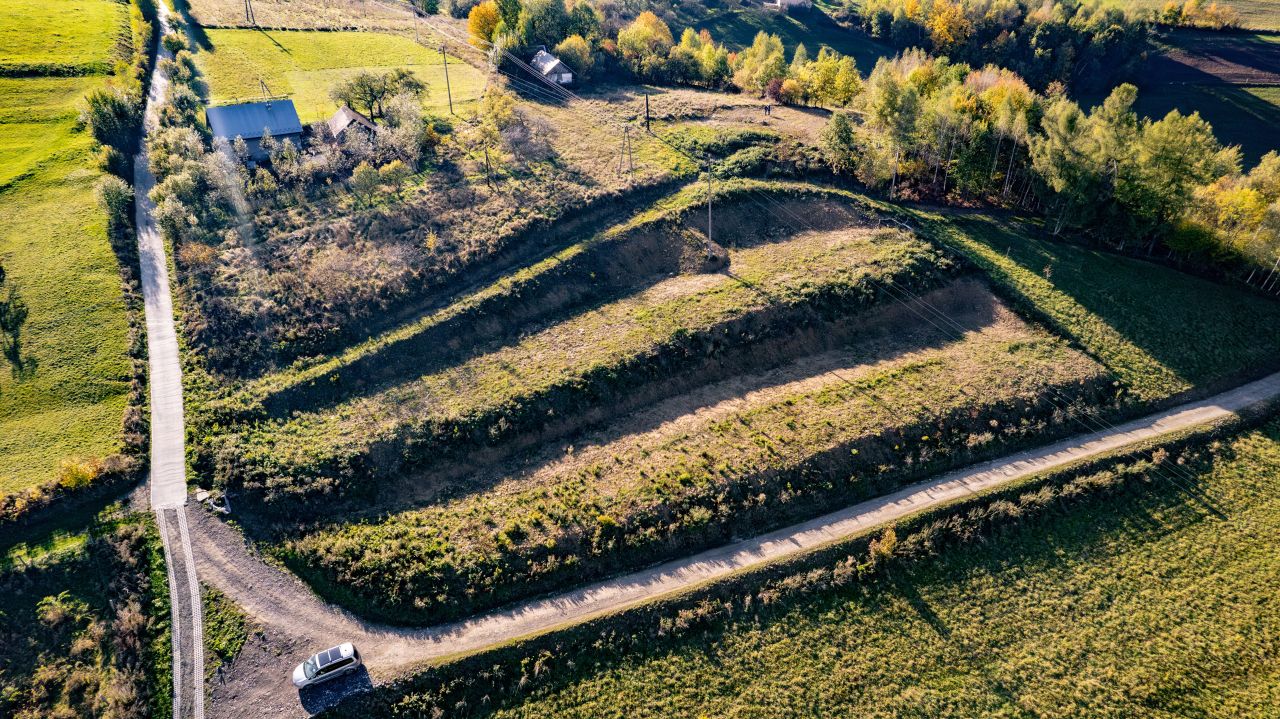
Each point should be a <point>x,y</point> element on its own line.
<point>708,245</point>
<point>646,114</point>
<point>625,158</point>
<point>248,13</point>
<point>448,89</point>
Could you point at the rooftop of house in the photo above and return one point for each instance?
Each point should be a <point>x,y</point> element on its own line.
<point>346,117</point>
<point>250,120</point>
<point>546,63</point>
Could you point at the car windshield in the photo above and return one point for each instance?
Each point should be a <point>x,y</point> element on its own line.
<point>310,667</point>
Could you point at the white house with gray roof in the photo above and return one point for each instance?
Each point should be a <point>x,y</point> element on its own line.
<point>551,67</point>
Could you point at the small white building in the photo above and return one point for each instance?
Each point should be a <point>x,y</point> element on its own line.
<point>551,67</point>
<point>785,5</point>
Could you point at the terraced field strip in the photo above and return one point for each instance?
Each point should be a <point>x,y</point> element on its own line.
<point>279,601</point>
<point>65,383</point>
<point>823,430</point>
<point>653,335</point>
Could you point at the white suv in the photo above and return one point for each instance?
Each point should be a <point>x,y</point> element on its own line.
<point>335,662</point>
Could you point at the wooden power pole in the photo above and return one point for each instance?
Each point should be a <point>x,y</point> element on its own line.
<point>447,88</point>
<point>708,246</point>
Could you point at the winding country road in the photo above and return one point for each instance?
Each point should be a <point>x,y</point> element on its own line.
<point>168,480</point>
<point>294,622</point>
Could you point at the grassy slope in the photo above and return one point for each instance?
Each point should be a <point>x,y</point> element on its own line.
<point>723,450</point>
<point>62,32</point>
<point>610,335</point>
<point>73,665</point>
<point>1146,606</point>
<point>1159,330</point>
<point>306,65</point>
<point>53,244</point>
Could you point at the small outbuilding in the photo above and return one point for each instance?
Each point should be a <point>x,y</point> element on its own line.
<point>347,120</point>
<point>551,67</point>
<point>787,5</point>
<point>251,120</point>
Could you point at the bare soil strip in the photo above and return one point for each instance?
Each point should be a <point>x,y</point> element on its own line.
<point>295,622</point>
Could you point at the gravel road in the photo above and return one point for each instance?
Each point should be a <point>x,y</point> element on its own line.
<point>293,622</point>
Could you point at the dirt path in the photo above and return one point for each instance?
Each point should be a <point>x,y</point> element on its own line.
<point>168,479</point>
<point>294,623</point>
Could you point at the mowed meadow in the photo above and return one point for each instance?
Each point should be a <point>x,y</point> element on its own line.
<point>64,397</point>
<point>1155,601</point>
<point>306,66</point>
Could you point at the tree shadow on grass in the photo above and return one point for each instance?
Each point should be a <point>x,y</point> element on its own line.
<point>1206,334</point>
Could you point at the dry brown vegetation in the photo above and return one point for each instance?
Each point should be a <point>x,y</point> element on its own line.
<point>305,14</point>
<point>729,459</point>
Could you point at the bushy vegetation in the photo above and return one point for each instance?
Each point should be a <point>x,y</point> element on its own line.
<point>890,413</point>
<point>68,259</point>
<point>226,629</point>
<point>77,626</point>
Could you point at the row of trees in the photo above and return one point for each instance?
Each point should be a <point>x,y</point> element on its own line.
<point>1080,43</point>
<point>944,127</point>
<point>1194,13</point>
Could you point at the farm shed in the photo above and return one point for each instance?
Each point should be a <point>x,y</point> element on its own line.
<point>551,67</point>
<point>251,120</point>
<point>346,119</point>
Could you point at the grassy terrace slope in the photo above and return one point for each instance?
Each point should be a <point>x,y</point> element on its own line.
<point>67,37</point>
<point>306,65</point>
<point>1160,332</point>
<point>729,459</point>
<point>656,331</point>
<point>69,395</point>
<point>1153,603</point>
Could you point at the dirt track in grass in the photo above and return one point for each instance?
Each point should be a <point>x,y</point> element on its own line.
<point>294,623</point>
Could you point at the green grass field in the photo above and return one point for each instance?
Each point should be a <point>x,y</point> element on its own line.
<point>307,65</point>
<point>75,33</point>
<point>1160,331</point>
<point>54,246</point>
<point>1155,603</point>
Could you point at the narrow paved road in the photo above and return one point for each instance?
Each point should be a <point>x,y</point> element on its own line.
<point>168,481</point>
<point>295,622</point>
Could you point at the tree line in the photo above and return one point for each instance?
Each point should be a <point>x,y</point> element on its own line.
<point>1080,43</point>
<point>935,127</point>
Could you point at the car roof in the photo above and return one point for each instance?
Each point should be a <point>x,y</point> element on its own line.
<point>333,654</point>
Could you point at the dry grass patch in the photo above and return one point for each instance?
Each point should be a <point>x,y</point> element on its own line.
<point>728,459</point>
<point>599,357</point>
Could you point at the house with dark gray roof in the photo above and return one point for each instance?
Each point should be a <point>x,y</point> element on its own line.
<point>551,67</point>
<point>251,120</point>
